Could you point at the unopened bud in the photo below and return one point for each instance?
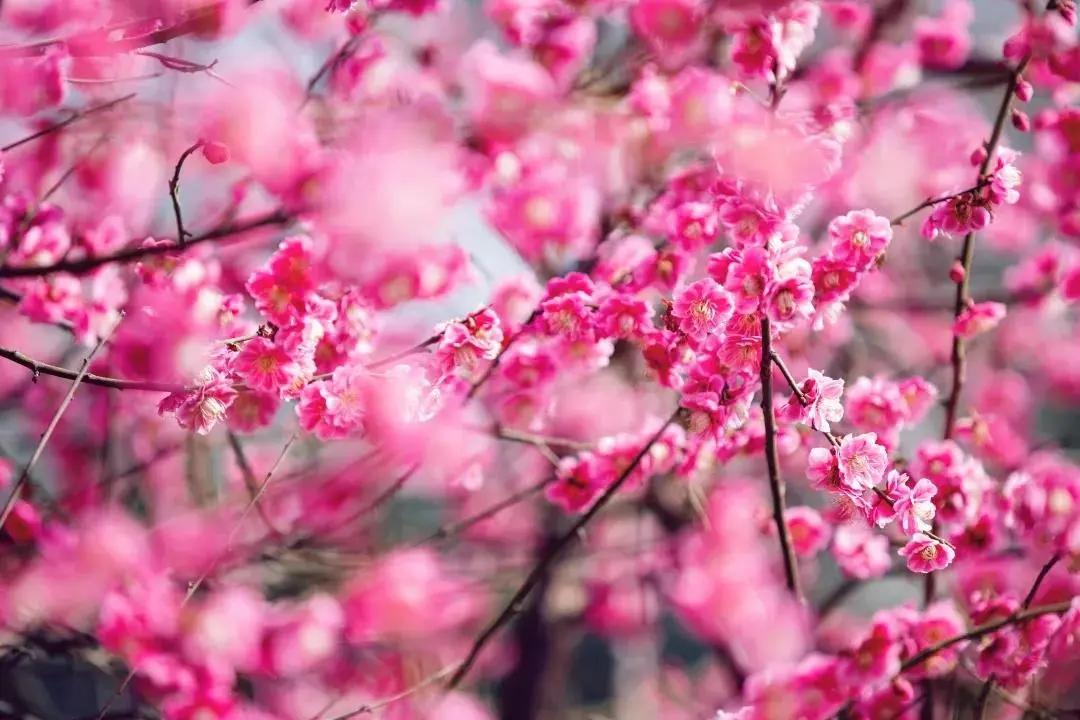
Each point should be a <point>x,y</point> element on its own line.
<point>1021,121</point>
<point>215,152</point>
<point>978,156</point>
<point>957,272</point>
<point>1024,90</point>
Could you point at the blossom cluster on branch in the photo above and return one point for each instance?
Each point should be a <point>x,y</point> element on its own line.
<point>356,352</point>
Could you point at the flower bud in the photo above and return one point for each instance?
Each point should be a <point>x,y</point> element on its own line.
<point>957,272</point>
<point>1024,90</point>
<point>978,156</point>
<point>1021,121</point>
<point>215,152</point>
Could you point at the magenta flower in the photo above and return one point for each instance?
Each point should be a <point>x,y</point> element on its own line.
<point>924,554</point>
<point>702,308</point>
<point>978,318</point>
<point>809,532</point>
<point>859,238</point>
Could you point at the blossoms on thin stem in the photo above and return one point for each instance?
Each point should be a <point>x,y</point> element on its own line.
<point>972,210</point>
<point>819,404</point>
<point>861,461</point>
<point>925,554</point>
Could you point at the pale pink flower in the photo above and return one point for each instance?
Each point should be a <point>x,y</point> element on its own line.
<point>862,461</point>
<point>859,237</point>
<point>915,507</point>
<point>924,554</point>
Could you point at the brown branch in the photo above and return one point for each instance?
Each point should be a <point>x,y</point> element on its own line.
<point>539,570</point>
<point>981,705</point>
<point>78,115</point>
<point>194,587</point>
<point>331,63</point>
<point>447,531</point>
<point>985,629</point>
<point>45,436</point>
<point>776,482</point>
<point>174,192</point>
<point>113,40</point>
<point>930,202</point>
<point>248,474</point>
<point>407,692</point>
<point>967,254</point>
<point>87,264</point>
<point>40,368</point>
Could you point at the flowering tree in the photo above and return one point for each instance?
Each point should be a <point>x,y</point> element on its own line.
<point>381,358</point>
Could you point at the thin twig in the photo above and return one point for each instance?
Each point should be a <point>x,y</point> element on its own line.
<point>407,692</point>
<point>453,529</point>
<point>84,265</point>
<point>967,254</point>
<point>930,202</point>
<point>982,705</point>
<point>248,474</point>
<point>40,368</point>
<point>45,436</point>
<point>174,192</point>
<point>78,115</point>
<point>539,570</point>
<point>776,483</point>
<point>194,587</point>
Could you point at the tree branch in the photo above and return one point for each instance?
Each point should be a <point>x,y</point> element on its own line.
<point>967,254</point>
<point>40,368</point>
<point>174,192</point>
<point>776,483</point>
<point>78,115</point>
<point>45,436</point>
<point>539,570</point>
<point>87,264</point>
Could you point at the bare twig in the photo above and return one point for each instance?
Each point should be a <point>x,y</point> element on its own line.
<point>45,436</point>
<point>538,571</point>
<point>981,705</point>
<point>78,115</point>
<point>84,265</point>
<point>967,254</point>
<point>40,368</point>
<point>407,692</point>
<point>453,529</point>
<point>174,192</point>
<point>248,474</point>
<point>776,483</point>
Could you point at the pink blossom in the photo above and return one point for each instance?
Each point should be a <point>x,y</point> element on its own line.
<point>859,238</point>
<point>915,507</point>
<point>809,533</point>
<point>570,315</point>
<point>925,554</point>
<point>667,25</point>
<point>978,318</point>
<point>201,408</point>
<point>746,278</point>
<point>862,461</point>
<point>264,366</point>
<point>820,404</point>
<point>701,308</point>
<point>790,299</point>
<point>861,553</point>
